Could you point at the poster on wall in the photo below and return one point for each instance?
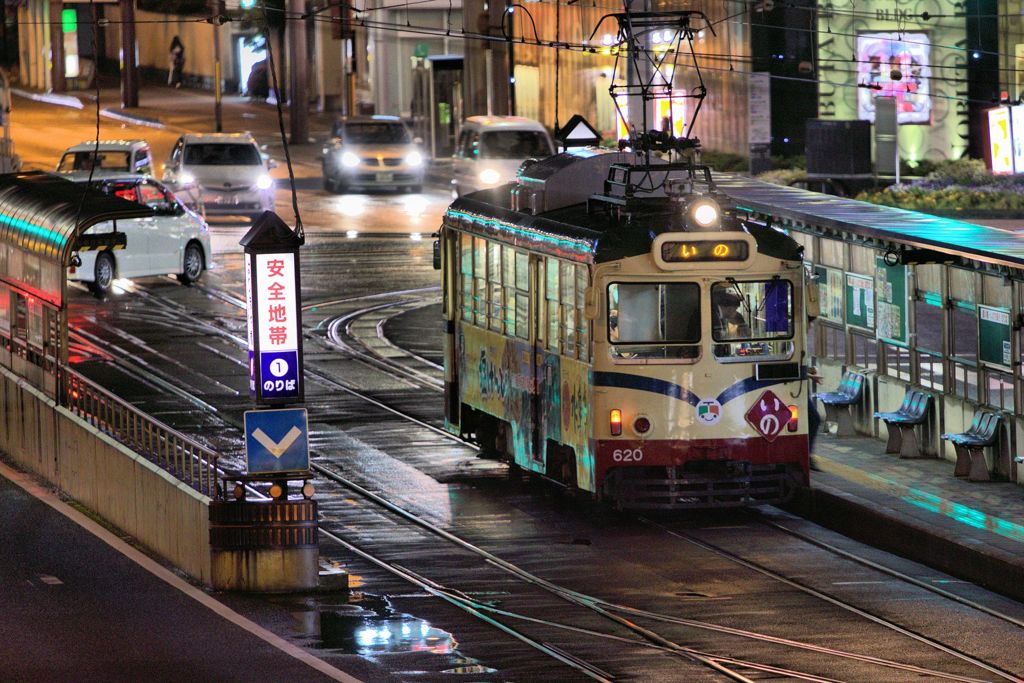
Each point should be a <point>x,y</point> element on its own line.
<point>895,65</point>
<point>890,301</point>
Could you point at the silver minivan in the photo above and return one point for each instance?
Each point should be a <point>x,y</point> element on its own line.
<point>490,150</point>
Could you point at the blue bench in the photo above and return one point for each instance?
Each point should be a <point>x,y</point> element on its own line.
<point>970,446</point>
<point>901,423</point>
<point>837,403</point>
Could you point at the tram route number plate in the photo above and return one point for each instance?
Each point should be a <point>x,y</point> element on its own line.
<point>769,415</point>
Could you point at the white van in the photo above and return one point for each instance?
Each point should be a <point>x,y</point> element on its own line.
<point>491,149</point>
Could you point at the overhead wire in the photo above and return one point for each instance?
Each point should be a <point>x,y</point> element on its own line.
<point>299,232</point>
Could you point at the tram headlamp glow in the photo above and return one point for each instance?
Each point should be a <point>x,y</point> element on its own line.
<point>705,213</point>
<point>615,422</point>
<point>489,176</point>
<point>349,159</point>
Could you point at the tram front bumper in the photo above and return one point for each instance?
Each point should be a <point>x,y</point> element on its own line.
<point>701,484</point>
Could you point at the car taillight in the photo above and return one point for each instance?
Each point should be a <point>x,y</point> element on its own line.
<point>642,425</point>
<point>615,421</point>
<point>793,419</point>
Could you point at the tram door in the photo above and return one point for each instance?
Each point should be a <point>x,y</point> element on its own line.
<point>450,307</point>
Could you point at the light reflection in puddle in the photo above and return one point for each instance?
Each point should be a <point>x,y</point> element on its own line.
<point>372,627</point>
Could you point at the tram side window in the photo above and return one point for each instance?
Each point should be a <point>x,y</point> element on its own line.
<point>494,293</point>
<point>480,281</point>
<point>752,320</point>
<point>651,321</point>
<point>583,331</point>
<point>567,301</point>
<point>516,282</point>
<point>466,275</point>
<point>551,300</point>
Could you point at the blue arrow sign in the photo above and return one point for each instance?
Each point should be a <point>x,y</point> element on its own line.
<point>276,441</point>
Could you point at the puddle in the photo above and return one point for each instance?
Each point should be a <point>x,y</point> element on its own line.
<point>471,669</point>
<point>368,625</point>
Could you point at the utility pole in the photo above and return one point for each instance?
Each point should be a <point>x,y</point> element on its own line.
<point>129,58</point>
<point>58,81</point>
<point>217,19</point>
<point>298,63</point>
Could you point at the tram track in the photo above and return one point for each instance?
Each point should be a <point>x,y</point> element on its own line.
<point>588,599</point>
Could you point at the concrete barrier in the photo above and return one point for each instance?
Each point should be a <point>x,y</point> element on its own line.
<point>163,514</point>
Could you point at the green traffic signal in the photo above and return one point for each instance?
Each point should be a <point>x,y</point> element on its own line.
<point>247,4</point>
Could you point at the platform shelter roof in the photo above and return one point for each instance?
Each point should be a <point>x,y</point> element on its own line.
<point>42,217</point>
<point>892,227</point>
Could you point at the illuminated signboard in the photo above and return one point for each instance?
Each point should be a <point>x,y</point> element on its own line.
<point>274,313</point>
<point>1000,142</point>
<point>1017,133</point>
<point>895,65</point>
<point>706,250</point>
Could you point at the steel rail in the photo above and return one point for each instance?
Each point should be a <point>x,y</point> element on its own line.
<point>949,595</point>
<point>838,602</point>
<point>587,600</point>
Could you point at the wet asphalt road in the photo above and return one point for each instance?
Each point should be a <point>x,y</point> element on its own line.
<point>161,345</point>
<point>178,353</point>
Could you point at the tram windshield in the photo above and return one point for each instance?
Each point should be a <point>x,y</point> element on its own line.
<point>647,320</point>
<point>752,320</point>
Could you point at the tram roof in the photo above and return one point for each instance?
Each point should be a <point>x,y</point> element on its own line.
<point>44,214</point>
<point>797,208</point>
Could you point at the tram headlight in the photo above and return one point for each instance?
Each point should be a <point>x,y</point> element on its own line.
<point>615,422</point>
<point>705,213</point>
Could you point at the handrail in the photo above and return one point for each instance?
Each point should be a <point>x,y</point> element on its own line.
<point>167,448</point>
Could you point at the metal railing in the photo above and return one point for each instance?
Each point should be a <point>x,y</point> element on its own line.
<point>169,449</point>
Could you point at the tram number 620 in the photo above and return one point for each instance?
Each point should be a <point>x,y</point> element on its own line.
<point>627,455</point>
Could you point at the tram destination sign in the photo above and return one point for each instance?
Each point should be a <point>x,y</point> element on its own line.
<point>704,250</point>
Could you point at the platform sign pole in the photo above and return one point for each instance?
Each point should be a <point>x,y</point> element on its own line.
<point>272,297</point>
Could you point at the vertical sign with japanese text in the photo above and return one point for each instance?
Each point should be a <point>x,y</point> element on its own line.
<point>276,290</point>
<point>275,327</point>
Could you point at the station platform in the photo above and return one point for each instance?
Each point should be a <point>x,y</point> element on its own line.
<point>917,509</point>
<point>80,604</point>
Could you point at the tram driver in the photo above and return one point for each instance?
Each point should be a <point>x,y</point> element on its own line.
<point>727,323</point>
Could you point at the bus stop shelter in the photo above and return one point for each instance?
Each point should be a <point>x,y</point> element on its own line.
<point>42,221</point>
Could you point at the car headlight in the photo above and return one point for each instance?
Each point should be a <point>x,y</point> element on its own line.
<point>349,159</point>
<point>413,158</point>
<point>264,182</point>
<point>186,178</point>
<point>489,176</point>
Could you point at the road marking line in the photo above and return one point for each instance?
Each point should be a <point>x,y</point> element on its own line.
<point>31,487</point>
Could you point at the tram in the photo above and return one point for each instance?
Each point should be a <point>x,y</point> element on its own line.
<point>620,327</point>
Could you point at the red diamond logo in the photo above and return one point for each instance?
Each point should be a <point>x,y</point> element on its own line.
<point>769,415</point>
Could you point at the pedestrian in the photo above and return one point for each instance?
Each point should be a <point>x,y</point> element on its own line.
<point>177,55</point>
<point>813,418</point>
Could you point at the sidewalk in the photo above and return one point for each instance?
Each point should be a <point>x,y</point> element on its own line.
<point>919,510</point>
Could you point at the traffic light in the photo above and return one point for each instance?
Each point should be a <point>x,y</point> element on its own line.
<point>247,4</point>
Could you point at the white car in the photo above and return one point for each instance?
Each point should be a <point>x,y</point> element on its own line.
<point>221,174</point>
<point>491,149</point>
<point>175,240</point>
<point>111,158</point>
